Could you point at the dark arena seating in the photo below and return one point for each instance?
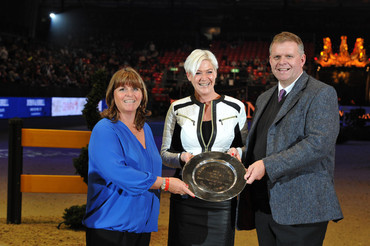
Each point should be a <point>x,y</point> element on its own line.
<point>47,59</point>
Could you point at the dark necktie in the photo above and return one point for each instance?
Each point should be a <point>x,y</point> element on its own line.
<point>281,94</point>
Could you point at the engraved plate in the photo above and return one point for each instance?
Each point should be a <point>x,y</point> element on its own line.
<point>214,176</point>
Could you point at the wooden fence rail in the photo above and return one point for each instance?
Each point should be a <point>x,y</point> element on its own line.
<point>20,137</point>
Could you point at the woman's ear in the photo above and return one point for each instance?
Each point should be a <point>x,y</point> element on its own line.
<point>189,76</point>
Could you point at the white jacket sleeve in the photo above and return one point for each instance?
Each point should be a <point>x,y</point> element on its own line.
<point>169,158</point>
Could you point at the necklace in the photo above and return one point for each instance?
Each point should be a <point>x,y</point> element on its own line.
<point>134,130</point>
<point>131,126</point>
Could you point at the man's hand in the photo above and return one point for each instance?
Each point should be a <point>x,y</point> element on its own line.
<point>255,172</point>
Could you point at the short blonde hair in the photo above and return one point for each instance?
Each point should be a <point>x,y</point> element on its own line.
<point>288,36</point>
<point>196,57</point>
<point>126,76</point>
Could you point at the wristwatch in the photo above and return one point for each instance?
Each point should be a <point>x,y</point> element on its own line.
<point>163,186</point>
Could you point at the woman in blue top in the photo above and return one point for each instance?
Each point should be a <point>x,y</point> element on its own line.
<point>125,169</point>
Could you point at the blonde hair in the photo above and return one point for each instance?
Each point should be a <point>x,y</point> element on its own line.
<point>288,36</point>
<point>193,61</point>
<point>126,76</point>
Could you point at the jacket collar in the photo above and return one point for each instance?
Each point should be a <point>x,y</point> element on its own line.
<point>293,96</point>
<point>194,100</point>
<point>289,102</point>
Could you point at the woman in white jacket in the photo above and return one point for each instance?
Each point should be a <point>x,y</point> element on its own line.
<point>205,121</point>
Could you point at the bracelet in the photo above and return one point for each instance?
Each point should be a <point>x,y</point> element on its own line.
<point>167,184</point>
<point>163,186</point>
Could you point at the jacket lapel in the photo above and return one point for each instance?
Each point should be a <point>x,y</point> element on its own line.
<point>293,97</point>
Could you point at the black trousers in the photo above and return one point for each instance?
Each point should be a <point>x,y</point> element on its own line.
<point>101,237</point>
<point>271,233</point>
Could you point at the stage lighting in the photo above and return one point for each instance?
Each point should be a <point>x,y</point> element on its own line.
<point>52,15</point>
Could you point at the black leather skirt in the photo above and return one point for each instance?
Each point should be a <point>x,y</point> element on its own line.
<point>197,222</point>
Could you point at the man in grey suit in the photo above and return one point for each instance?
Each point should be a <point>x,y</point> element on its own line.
<point>290,154</point>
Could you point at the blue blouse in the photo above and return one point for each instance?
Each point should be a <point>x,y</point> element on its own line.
<point>121,171</point>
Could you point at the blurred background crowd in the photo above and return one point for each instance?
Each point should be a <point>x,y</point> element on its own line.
<point>44,56</point>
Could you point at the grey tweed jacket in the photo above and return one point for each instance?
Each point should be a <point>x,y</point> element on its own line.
<point>300,154</point>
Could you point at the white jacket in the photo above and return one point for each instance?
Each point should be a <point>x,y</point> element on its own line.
<point>182,128</point>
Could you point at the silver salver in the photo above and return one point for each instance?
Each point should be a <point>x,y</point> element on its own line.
<point>214,176</point>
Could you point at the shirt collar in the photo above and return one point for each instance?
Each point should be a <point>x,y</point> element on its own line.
<point>290,87</point>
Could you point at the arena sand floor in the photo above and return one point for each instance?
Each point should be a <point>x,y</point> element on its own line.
<point>41,213</point>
